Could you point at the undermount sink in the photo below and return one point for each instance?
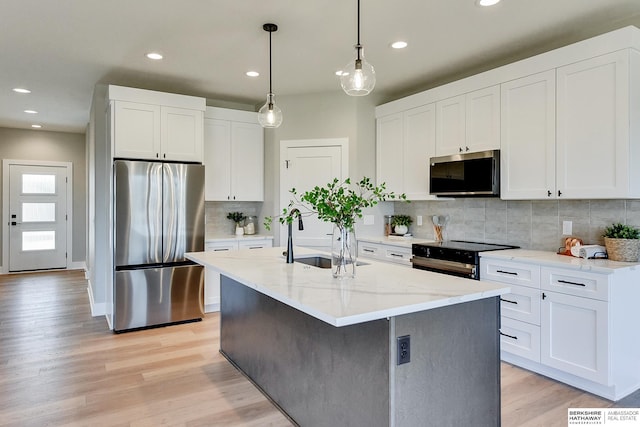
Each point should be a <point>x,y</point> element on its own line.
<point>320,261</point>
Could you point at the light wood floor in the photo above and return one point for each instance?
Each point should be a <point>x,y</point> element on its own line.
<point>61,367</point>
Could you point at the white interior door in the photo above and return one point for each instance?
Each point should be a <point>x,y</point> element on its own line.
<point>37,217</point>
<point>307,164</point>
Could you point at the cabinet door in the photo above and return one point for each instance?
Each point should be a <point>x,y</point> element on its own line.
<point>247,162</point>
<point>482,119</point>
<point>217,159</point>
<point>419,147</point>
<point>389,152</point>
<point>574,335</point>
<point>136,130</point>
<point>528,137</point>
<point>450,126</point>
<point>181,134</point>
<point>593,127</point>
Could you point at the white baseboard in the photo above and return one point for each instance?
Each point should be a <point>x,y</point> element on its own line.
<point>77,265</point>
<point>209,308</point>
<point>97,309</point>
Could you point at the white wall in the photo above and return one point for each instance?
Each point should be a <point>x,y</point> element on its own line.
<point>321,115</point>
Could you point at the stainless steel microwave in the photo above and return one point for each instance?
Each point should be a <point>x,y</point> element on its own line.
<point>466,174</point>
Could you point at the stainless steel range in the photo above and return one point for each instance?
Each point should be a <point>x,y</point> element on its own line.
<point>453,257</point>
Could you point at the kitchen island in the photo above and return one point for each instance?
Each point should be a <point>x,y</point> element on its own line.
<point>326,351</point>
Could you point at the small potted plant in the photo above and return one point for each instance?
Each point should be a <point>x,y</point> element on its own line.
<point>237,217</point>
<point>622,242</point>
<point>401,224</point>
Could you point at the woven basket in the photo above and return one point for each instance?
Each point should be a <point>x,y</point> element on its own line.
<point>626,250</point>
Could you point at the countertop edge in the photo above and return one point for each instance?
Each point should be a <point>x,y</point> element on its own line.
<point>347,320</point>
<point>552,259</point>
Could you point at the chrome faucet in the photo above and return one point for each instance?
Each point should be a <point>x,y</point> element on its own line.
<point>289,252</point>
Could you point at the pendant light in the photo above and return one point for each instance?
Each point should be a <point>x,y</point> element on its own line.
<point>358,78</point>
<point>270,116</point>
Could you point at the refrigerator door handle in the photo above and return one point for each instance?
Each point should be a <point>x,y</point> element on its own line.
<point>170,210</point>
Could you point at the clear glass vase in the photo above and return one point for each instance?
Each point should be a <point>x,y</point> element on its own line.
<point>343,252</point>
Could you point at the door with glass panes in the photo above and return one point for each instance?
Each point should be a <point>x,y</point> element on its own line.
<point>37,217</point>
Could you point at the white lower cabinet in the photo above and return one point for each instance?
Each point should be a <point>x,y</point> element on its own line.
<point>383,252</point>
<point>571,324</point>
<point>212,278</point>
<point>574,335</point>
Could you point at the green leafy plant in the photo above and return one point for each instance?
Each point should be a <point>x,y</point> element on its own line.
<point>337,202</point>
<point>236,217</point>
<point>401,220</point>
<point>621,231</point>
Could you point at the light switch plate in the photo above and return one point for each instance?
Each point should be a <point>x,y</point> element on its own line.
<point>368,219</point>
<point>567,228</point>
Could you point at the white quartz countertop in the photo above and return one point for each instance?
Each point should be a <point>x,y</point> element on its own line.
<point>378,291</point>
<point>234,238</point>
<point>552,259</point>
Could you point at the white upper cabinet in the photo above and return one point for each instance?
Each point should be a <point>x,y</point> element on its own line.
<point>528,128</point>
<point>405,143</point>
<point>451,126</point>
<point>233,156</point>
<point>567,121</point>
<point>469,123</point>
<point>136,130</point>
<point>181,134</point>
<point>593,132</point>
<point>389,152</point>
<point>566,132</point>
<point>156,126</point>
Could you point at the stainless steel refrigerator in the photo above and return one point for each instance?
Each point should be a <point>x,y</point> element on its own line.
<point>158,216</point>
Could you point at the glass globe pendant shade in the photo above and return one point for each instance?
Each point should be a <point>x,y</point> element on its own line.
<point>358,77</point>
<point>270,116</point>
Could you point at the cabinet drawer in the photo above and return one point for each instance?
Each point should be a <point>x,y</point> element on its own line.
<point>387,253</point>
<point>522,303</point>
<point>520,338</point>
<point>511,272</point>
<point>220,246</point>
<point>397,255</point>
<point>578,283</point>
<point>254,244</point>
<point>368,250</point>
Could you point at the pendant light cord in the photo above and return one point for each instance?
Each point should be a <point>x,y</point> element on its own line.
<point>270,88</point>
<point>358,46</point>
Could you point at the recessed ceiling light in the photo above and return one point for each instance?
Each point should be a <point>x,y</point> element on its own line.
<point>487,2</point>
<point>36,126</point>
<point>21,90</point>
<point>154,55</point>
<point>399,45</point>
<point>252,73</point>
<point>31,111</point>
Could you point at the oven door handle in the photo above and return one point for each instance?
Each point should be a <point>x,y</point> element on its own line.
<point>443,265</point>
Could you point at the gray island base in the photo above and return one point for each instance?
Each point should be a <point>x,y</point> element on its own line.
<point>322,375</point>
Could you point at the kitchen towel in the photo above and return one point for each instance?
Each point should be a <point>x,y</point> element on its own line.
<point>593,251</point>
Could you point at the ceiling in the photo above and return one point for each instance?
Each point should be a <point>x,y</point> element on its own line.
<point>60,49</point>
